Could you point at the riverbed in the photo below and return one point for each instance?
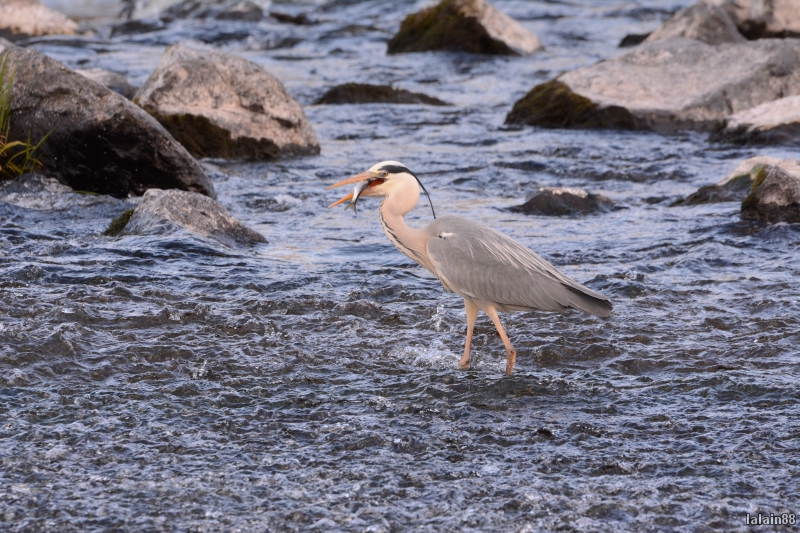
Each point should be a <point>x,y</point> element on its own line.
<point>167,383</point>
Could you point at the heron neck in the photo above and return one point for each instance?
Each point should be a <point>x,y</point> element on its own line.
<point>410,241</point>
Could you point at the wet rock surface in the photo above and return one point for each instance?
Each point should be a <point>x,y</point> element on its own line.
<point>364,93</point>
<point>98,140</point>
<point>20,19</point>
<point>473,26</point>
<point>108,78</point>
<point>737,184</point>
<point>666,86</point>
<point>220,105</point>
<point>247,11</point>
<point>774,197</point>
<point>776,122</point>
<point>563,201</point>
<point>159,210</point>
<point>703,21</point>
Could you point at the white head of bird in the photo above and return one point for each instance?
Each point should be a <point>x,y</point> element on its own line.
<point>491,271</point>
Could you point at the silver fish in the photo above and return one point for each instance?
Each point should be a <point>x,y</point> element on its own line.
<point>360,186</point>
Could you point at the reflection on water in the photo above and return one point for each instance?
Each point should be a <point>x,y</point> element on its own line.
<point>166,383</point>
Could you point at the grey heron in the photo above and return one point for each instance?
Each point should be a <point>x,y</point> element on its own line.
<point>491,271</point>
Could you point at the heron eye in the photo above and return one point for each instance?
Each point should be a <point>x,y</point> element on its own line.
<point>384,173</point>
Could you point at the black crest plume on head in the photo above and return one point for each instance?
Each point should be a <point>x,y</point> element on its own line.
<point>398,169</point>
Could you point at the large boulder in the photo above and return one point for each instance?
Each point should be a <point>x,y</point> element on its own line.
<point>776,122</point>
<point>736,185</point>
<point>221,105</point>
<point>703,21</point>
<point>758,19</point>
<point>774,197</point>
<point>20,19</point>
<point>113,80</point>
<point>563,201</point>
<point>98,140</point>
<point>473,26</point>
<point>161,211</point>
<point>364,93</point>
<point>666,86</point>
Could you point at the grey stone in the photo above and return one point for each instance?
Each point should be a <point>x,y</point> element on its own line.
<point>703,21</point>
<point>221,105</point>
<point>473,26</point>
<point>775,197</point>
<point>21,19</point>
<point>108,78</point>
<point>99,141</point>
<point>193,212</point>
<point>247,11</point>
<point>758,19</point>
<point>666,86</point>
<point>364,93</point>
<point>776,122</point>
<point>563,201</point>
<point>736,185</point>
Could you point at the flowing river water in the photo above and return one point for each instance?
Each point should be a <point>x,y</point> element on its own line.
<point>166,383</point>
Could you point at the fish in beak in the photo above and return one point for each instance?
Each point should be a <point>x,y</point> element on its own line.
<point>362,181</point>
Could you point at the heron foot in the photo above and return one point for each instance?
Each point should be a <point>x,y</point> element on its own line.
<point>511,358</point>
<point>464,363</point>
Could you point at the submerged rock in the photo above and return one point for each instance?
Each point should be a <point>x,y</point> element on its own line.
<point>220,105</point>
<point>758,19</point>
<point>45,193</point>
<point>108,78</point>
<point>666,86</point>
<point>703,21</point>
<point>20,19</point>
<point>364,93</point>
<point>563,201</point>
<point>776,122</point>
<point>735,186</point>
<point>473,26</point>
<point>774,197</point>
<point>245,10</point>
<point>182,9</point>
<point>193,212</point>
<point>98,140</point>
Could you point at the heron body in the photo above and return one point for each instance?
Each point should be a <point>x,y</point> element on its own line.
<point>488,269</point>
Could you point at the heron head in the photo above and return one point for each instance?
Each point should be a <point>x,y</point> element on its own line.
<point>380,181</point>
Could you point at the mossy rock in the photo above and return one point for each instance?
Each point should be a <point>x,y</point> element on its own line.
<point>774,197</point>
<point>471,26</point>
<point>364,93</point>
<point>118,224</point>
<point>554,105</point>
<point>732,190</point>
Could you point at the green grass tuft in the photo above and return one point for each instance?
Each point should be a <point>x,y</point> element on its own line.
<point>16,157</point>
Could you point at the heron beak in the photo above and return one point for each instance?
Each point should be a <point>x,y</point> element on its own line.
<point>364,176</point>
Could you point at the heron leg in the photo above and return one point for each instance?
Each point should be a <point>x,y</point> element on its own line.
<point>511,353</point>
<point>472,315</point>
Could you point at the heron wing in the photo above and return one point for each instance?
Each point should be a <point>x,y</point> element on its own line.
<point>480,263</point>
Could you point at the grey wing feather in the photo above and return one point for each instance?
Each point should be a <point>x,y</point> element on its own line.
<point>480,263</point>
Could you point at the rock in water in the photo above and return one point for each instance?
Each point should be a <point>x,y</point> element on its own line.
<point>666,86</point>
<point>364,93</point>
<point>758,19</point>
<point>775,197</point>
<point>247,11</point>
<point>704,22</point>
<point>776,122</point>
<point>194,212</point>
<point>735,186</point>
<point>108,78</point>
<point>20,19</point>
<point>473,26</point>
<point>220,105</point>
<point>563,201</point>
<point>99,141</point>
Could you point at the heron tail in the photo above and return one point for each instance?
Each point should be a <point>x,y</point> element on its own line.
<point>589,301</point>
